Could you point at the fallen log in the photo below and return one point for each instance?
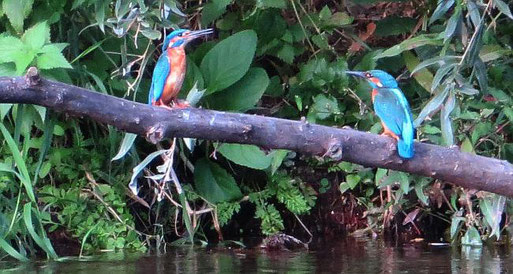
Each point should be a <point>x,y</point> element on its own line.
<point>155,123</point>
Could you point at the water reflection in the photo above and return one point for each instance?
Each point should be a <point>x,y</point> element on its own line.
<point>349,255</point>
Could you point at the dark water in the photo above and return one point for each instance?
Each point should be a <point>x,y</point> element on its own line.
<point>349,256</point>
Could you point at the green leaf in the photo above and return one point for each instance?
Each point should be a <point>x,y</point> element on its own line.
<point>473,13</point>
<point>339,19</point>
<point>7,69</point>
<point>194,95</point>
<point>277,158</point>
<point>503,7</point>
<point>88,50</point>
<point>418,41</point>
<point>20,163</point>
<point>500,95</point>
<point>321,41</point>
<point>352,180</point>
<point>428,129</point>
<point>508,111</point>
<point>480,130</point>
<point>323,107</point>
<point>467,89</point>
<point>14,50</point>
<point>440,60</point>
<point>325,13</point>
<point>212,10</point>
<point>126,144</point>
<point>243,95</point>
<point>45,169</point>
<point>455,226</point>
<point>275,88</point>
<point>7,248</point>
<point>151,34</point>
<point>466,146</point>
<point>419,191</point>
<point>493,52</point>
<point>445,121</point>
<point>41,170</point>
<point>431,106</point>
<point>246,155</point>
<point>51,58</point>
<point>441,9</point>
<point>423,76</point>
<point>214,183</point>
<point>480,70</point>
<point>344,187</point>
<point>492,208</point>
<point>393,25</point>
<point>380,173</point>
<point>58,130</point>
<point>452,23</point>
<point>286,53</point>
<point>4,109</point>
<point>472,237</point>
<point>37,36</point>
<point>441,73</point>
<point>137,169</point>
<point>77,3</point>
<point>186,217</point>
<point>45,245</point>
<point>99,12</point>
<point>280,4</point>
<point>397,177</point>
<point>229,60</point>
<point>17,11</point>
<point>404,182</point>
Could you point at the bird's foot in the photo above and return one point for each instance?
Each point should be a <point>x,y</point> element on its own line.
<point>166,107</point>
<point>161,104</point>
<point>390,134</point>
<point>181,104</point>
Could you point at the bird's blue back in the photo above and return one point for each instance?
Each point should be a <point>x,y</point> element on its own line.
<point>393,109</point>
<point>158,80</point>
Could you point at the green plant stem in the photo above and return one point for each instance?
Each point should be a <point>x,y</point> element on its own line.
<point>474,35</point>
<point>15,213</point>
<point>302,26</point>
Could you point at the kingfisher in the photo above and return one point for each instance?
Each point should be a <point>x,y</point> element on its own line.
<point>169,72</point>
<point>392,108</point>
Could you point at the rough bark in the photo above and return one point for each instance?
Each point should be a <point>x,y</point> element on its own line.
<point>155,123</point>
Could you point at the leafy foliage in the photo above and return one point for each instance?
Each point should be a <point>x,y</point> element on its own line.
<point>33,47</point>
<point>274,57</point>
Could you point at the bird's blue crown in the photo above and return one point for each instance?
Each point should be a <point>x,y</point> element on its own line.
<point>387,80</point>
<point>169,37</point>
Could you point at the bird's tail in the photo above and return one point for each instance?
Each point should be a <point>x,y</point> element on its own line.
<point>405,143</point>
<point>405,149</point>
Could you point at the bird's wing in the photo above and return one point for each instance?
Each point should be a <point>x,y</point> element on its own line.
<point>393,109</point>
<point>160,73</point>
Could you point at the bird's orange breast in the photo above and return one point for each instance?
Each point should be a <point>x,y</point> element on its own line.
<point>176,74</point>
<point>374,93</point>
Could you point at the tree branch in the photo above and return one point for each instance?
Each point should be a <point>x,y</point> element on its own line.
<point>156,123</point>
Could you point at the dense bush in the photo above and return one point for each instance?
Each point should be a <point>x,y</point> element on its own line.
<point>273,57</point>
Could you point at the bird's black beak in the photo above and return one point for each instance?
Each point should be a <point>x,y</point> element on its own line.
<point>359,74</point>
<point>199,33</point>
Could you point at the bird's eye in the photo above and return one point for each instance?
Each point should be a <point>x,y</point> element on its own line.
<point>180,34</point>
<point>368,75</point>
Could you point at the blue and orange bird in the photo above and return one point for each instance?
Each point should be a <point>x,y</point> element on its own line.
<point>392,108</point>
<point>169,72</point>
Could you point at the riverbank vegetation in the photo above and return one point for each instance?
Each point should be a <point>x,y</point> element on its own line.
<point>64,181</point>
